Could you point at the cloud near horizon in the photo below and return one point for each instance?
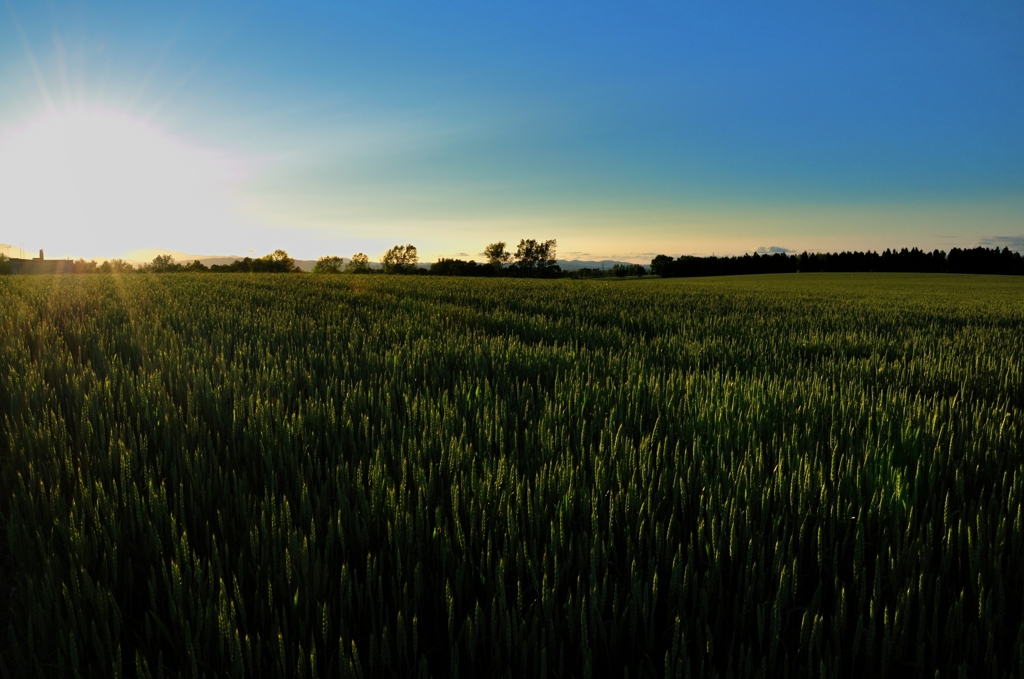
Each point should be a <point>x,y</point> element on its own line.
<point>1015,243</point>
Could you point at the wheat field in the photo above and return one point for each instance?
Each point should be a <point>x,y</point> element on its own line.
<point>807,475</point>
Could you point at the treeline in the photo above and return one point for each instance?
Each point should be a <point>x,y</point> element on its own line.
<point>536,259</point>
<point>976,260</point>
<point>277,262</point>
<point>532,259</point>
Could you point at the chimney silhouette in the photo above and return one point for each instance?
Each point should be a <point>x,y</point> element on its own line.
<point>41,258</point>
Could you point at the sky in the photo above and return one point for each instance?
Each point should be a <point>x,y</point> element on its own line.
<point>621,129</point>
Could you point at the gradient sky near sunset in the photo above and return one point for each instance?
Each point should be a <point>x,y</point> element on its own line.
<point>620,129</point>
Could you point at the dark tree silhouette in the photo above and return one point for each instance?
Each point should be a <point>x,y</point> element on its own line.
<point>536,259</point>
<point>163,264</point>
<point>400,259</point>
<point>977,260</point>
<point>359,263</point>
<point>329,264</point>
<point>496,254</point>
<point>458,267</point>
<point>277,262</point>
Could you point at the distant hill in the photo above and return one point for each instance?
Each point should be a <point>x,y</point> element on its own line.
<point>146,256</point>
<point>576,264</point>
<point>304,264</point>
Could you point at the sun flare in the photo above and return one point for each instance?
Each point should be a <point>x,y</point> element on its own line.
<point>96,182</point>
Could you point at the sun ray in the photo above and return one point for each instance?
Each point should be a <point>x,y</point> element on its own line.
<point>30,55</point>
<point>158,61</point>
<point>196,68</point>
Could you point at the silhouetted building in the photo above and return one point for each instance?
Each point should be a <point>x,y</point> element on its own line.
<point>40,265</point>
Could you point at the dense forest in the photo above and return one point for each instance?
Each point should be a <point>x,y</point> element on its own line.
<point>976,260</point>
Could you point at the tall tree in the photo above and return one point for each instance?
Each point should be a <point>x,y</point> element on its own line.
<point>280,261</point>
<point>164,264</point>
<point>534,258</point>
<point>400,259</point>
<point>82,266</point>
<point>329,264</point>
<point>497,255</point>
<point>359,263</point>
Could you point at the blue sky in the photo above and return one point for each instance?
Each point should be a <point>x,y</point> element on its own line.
<point>621,129</point>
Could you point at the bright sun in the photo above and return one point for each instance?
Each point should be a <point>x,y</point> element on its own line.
<point>95,182</point>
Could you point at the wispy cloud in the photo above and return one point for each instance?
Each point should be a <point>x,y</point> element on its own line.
<point>773,250</point>
<point>1011,242</point>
